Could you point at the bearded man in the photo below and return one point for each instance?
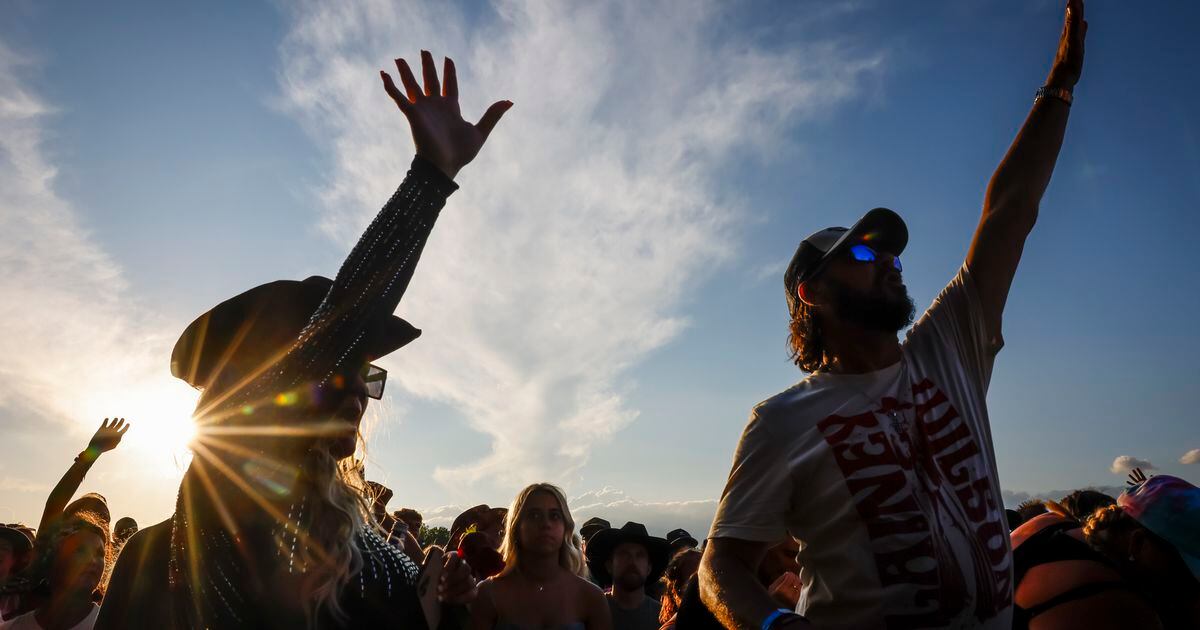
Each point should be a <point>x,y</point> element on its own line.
<point>880,462</point>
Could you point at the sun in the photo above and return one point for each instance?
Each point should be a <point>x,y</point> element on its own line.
<point>159,411</point>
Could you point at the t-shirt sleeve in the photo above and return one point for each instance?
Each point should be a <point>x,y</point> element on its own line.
<point>955,322</point>
<point>756,498</point>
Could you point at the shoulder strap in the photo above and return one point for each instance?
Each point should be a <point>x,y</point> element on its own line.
<point>1079,592</point>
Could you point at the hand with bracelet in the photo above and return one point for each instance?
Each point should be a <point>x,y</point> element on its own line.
<point>1068,61</point>
<point>106,438</point>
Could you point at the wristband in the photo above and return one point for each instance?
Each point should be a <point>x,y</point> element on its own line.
<point>775,615</point>
<point>1062,94</point>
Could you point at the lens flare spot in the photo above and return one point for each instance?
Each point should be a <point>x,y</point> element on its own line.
<point>247,410</point>
<point>286,399</point>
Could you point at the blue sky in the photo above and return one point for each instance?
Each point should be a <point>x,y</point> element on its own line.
<point>602,300</point>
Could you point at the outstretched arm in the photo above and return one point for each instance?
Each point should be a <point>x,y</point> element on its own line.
<point>107,437</point>
<point>1015,191</point>
<point>375,275</point>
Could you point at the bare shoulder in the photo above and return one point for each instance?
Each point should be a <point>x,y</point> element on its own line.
<point>586,590</point>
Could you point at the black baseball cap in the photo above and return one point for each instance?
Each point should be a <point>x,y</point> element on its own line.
<point>880,228</point>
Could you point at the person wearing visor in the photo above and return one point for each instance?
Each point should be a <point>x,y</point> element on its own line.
<point>272,527</point>
<point>880,462</point>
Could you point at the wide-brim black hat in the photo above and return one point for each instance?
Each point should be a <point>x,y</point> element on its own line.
<point>602,544</point>
<point>880,228</point>
<point>255,328</point>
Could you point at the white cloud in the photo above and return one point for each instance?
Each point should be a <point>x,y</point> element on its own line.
<point>592,210</point>
<point>1191,457</point>
<point>612,504</point>
<point>74,347</point>
<point>1126,463</point>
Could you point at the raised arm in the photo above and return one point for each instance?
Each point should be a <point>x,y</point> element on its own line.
<point>373,278</point>
<point>106,438</point>
<point>1011,205</point>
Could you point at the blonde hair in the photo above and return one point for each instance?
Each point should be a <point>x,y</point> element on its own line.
<point>340,514</point>
<point>570,555</point>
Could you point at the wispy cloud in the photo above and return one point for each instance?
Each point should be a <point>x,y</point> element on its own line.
<point>1126,463</point>
<point>74,347</point>
<point>613,504</point>
<point>1191,457</point>
<point>596,205</point>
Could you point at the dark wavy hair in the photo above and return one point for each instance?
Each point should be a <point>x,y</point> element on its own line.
<point>806,340</point>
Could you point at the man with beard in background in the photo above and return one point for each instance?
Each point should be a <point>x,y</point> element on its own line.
<point>880,462</point>
<point>629,559</point>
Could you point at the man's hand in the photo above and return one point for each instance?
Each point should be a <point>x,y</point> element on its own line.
<point>1068,63</point>
<point>108,436</point>
<point>438,128</point>
<point>457,584</point>
<point>786,589</point>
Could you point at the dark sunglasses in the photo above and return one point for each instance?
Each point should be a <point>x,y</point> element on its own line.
<point>863,253</point>
<point>375,377</point>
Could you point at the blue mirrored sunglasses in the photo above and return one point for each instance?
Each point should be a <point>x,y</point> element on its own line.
<point>864,253</point>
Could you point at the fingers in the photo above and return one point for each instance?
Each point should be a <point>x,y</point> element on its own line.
<point>409,81</point>
<point>450,76</point>
<point>390,87</point>
<point>492,116</point>
<point>432,87</point>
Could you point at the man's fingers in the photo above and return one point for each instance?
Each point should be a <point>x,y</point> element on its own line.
<point>409,81</point>
<point>432,88</point>
<point>390,87</point>
<point>450,79</point>
<point>492,116</point>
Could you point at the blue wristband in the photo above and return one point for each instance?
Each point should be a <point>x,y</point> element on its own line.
<point>770,620</point>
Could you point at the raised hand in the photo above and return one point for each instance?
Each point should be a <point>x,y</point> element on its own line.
<point>108,436</point>
<point>1136,477</point>
<point>438,128</point>
<point>1068,63</point>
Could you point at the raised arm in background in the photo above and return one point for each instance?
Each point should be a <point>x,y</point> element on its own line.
<point>107,437</point>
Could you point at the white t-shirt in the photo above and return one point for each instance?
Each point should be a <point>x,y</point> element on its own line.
<point>28,622</point>
<point>888,481</point>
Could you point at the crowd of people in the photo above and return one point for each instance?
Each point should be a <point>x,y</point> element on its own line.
<point>865,496</point>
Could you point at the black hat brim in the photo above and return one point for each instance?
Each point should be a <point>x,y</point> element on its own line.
<point>881,228</point>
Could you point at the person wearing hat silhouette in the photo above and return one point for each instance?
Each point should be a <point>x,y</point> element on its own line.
<point>16,546</point>
<point>271,527</point>
<point>880,462</point>
<point>629,559</point>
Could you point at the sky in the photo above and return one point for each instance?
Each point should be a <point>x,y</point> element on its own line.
<point>602,299</point>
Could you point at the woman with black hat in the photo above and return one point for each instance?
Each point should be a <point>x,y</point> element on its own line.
<point>271,528</point>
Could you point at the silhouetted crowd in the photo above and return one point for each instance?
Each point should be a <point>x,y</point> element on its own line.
<point>867,495</point>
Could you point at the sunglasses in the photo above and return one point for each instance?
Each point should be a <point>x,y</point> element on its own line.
<point>863,253</point>
<point>375,378</point>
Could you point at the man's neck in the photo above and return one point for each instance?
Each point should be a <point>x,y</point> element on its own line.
<point>854,350</point>
<point>628,600</point>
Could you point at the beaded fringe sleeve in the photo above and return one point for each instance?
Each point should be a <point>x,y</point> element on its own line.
<point>207,583</point>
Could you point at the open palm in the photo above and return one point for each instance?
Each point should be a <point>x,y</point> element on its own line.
<point>438,128</point>
<point>109,435</point>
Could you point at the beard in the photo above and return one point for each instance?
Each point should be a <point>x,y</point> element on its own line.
<point>874,310</point>
<point>631,580</point>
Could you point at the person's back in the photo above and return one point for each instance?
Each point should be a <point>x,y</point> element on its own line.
<point>1061,583</point>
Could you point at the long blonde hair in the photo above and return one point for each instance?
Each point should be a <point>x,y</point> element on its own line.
<point>570,555</point>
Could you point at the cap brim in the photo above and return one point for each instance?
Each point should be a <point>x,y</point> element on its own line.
<point>881,228</point>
